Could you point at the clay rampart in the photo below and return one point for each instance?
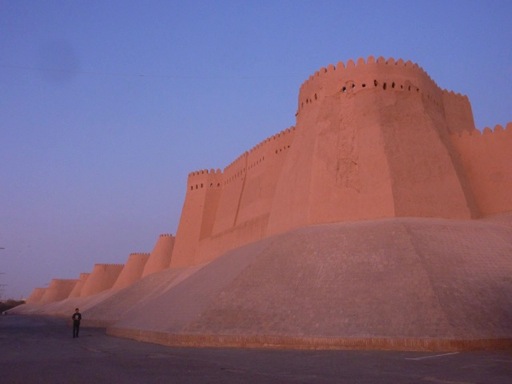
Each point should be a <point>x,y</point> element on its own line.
<point>229,199</point>
<point>208,212</point>
<point>487,158</point>
<point>250,181</point>
<point>244,233</point>
<point>198,214</point>
<point>59,289</point>
<point>160,256</point>
<point>102,277</point>
<point>208,185</point>
<point>458,112</point>
<point>36,295</point>
<point>79,285</point>
<point>264,166</point>
<point>132,270</point>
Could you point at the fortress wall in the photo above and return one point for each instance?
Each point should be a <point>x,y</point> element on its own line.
<point>59,289</point>
<point>232,188</point>
<point>36,295</point>
<point>132,270</point>
<point>247,232</point>
<point>246,193</point>
<point>264,165</point>
<point>197,216</point>
<point>211,202</point>
<point>360,149</point>
<point>458,112</point>
<point>160,256</point>
<point>426,180</point>
<point>487,160</point>
<point>337,168</point>
<point>79,285</point>
<point>102,277</point>
<point>372,140</point>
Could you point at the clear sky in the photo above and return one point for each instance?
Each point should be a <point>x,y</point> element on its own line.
<point>106,106</point>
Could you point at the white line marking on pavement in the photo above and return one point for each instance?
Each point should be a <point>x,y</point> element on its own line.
<point>431,356</point>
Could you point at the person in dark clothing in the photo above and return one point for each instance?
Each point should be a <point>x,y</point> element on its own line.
<point>77,316</point>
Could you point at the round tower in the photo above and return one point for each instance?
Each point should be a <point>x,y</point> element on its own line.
<point>160,256</point>
<point>132,270</point>
<point>102,277</point>
<point>372,141</point>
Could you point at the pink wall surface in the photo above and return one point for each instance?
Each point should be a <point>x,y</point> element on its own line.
<point>487,159</point>
<point>59,289</point>
<point>79,285</point>
<point>102,277</point>
<point>132,270</point>
<point>36,295</point>
<point>197,216</point>
<point>160,257</point>
<point>374,138</point>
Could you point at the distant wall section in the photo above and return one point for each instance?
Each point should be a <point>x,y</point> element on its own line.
<point>102,277</point>
<point>487,159</point>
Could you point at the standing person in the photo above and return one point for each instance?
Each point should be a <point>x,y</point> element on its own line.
<point>77,316</point>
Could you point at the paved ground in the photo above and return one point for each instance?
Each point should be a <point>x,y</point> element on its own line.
<point>41,350</point>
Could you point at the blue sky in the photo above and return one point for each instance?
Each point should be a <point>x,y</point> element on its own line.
<point>106,106</point>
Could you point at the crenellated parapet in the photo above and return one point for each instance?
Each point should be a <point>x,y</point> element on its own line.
<point>497,133</point>
<point>236,170</point>
<point>487,157</point>
<point>256,156</point>
<point>138,255</point>
<point>204,179</point>
<point>488,139</point>
<point>362,75</point>
<point>109,266</point>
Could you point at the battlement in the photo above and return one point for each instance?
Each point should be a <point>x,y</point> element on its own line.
<point>103,265</point>
<point>204,179</point>
<point>64,280</point>
<point>487,132</point>
<point>364,75</point>
<point>269,140</point>
<point>204,172</point>
<point>166,235</point>
<point>256,155</point>
<point>236,169</point>
<point>139,254</point>
<point>486,156</point>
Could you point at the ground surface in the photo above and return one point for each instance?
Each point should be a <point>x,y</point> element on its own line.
<point>42,350</point>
